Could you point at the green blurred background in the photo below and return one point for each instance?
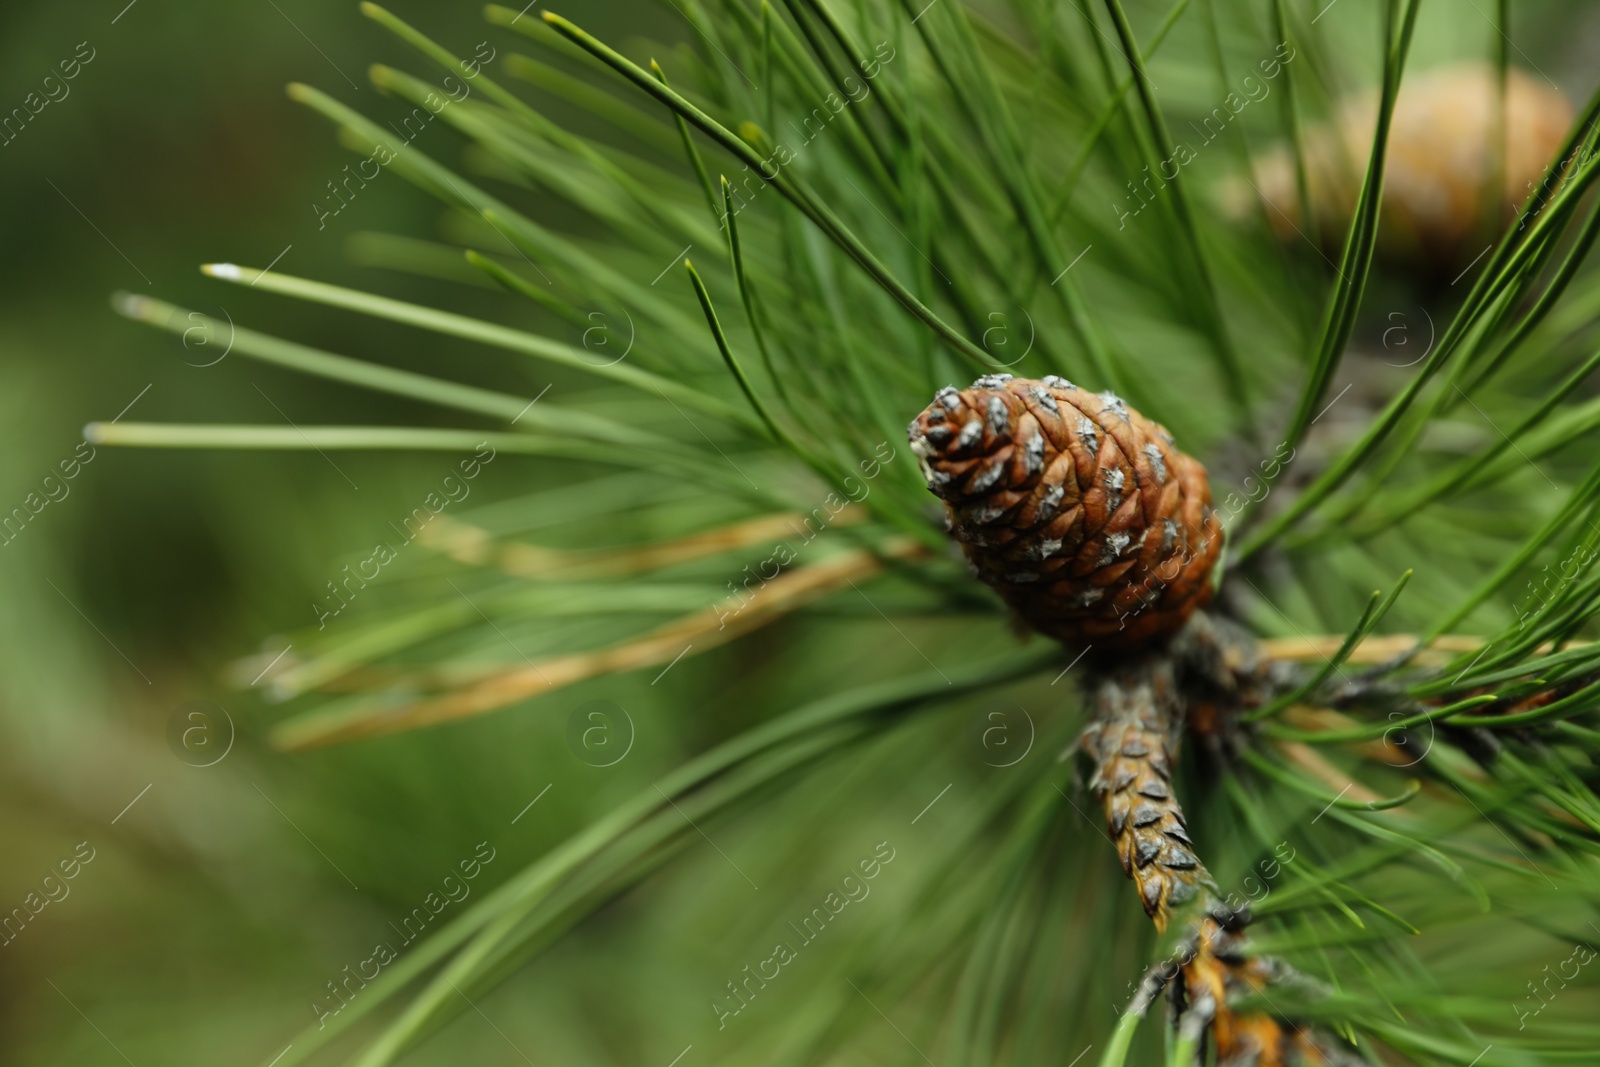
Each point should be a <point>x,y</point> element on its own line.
<point>217,905</point>
<point>221,899</point>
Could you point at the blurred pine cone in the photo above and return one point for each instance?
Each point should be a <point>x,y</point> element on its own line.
<point>1074,507</point>
<point>1442,164</point>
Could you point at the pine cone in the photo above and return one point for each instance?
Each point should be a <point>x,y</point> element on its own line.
<point>1441,164</point>
<point>1074,507</point>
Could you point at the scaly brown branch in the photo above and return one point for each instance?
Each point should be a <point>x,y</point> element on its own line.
<point>1141,707</point>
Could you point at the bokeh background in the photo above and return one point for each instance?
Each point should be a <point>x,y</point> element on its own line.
<point>220,899</point>
<point>216,906</point>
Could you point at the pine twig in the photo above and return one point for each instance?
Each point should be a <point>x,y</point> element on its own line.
<point>1141,706</point>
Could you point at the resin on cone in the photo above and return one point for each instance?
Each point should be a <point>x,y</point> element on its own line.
<point>1078,510</point>
<point>1442,164</point>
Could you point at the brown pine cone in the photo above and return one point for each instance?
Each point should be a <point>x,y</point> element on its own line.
<point>1442,165</point>
<point>1074,507</point>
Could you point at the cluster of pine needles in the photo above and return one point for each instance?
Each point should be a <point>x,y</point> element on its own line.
<point>759,259</point>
